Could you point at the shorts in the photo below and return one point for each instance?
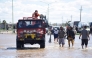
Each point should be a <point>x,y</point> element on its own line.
<point>55,35</point>
<point>84,41</point>
<point>90,32</point>
<point>70,40</point>
<point>62,41</point>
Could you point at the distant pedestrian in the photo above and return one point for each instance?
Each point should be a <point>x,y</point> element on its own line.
<point>7,28</point>
<point>61,36</point>
<point>70,36</point>
<point>85,37</point>
<point>91,30</point>
<point>50,34</point>
<point>56,34</point>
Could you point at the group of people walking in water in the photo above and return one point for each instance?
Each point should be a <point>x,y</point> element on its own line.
<point>69,34</point>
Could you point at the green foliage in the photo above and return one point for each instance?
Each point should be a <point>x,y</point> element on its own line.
<point>4,22</point>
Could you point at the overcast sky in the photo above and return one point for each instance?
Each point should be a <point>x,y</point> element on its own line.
<point>58,9</point>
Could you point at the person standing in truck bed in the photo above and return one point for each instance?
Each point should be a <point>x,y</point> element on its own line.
<point>35,15</point>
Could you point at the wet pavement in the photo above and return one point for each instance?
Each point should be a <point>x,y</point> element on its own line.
<point>52,50</point>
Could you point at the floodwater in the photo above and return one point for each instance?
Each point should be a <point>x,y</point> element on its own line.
<point>52,50</point>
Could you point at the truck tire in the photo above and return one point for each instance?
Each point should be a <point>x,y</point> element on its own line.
<point>42,45</point>
<point>18,45</point>
<point>22,45</point>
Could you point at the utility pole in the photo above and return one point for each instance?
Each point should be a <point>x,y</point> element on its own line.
<point>80,13</point>
<point>12,14</point>
<point>48,13</point>
<point>0,21</point>
<point>62,19</point>
<point>48,8</point>
<point>71,18</point>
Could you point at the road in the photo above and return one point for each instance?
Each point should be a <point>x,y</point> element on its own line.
<point>52,50</point>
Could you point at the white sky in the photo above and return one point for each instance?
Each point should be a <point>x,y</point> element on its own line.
<point>57,9</point>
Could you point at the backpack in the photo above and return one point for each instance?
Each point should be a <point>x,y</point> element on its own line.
<point>71,34</point>
<point>61,34</point>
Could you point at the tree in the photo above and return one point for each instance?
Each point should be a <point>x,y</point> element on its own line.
<point>4,23</point>
<point>67,23</point>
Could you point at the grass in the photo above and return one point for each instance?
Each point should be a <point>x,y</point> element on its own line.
<point>1,30</point>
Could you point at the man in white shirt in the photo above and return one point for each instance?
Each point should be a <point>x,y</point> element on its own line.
<point>56,34</point>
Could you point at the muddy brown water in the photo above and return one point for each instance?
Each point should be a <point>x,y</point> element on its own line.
<point>52,50</point>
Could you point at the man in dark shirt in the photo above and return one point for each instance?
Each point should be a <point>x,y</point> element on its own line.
<point>70,36</point>
<point>91,30</point>
<point>85,37</point>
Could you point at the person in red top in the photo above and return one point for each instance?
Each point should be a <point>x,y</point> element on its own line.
<point>35,14</point>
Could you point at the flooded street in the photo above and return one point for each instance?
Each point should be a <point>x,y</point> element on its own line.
<point>52,50</point>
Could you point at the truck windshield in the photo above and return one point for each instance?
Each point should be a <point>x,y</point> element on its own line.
<point>29,24</point>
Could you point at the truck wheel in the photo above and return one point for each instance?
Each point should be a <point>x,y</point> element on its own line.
<point>18,45</point>
<point>42,45</point>
<point>22,45</point>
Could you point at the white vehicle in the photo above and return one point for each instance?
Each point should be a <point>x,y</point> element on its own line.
<point>78,26</point>
<point>53,27</point>
<point>82,24</point>
<point>74,25</point>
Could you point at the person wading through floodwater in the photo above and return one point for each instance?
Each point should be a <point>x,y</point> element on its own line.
<point>85,37</point>
<point>56,34</point>
<point>70,36</point>
<point>50,34</point>
<point>61,36</point>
